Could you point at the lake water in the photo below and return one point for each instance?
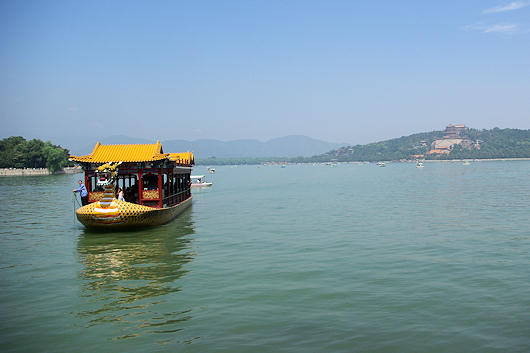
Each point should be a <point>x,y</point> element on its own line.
<point>299,259</point>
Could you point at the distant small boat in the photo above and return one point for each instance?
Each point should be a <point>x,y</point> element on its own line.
<point>466,163</point>
<point>211,170</point>
<point>198,181</point>
<point>419,164</point>
<point>381,164</point>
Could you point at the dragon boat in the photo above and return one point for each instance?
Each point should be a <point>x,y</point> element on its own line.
<point>156,185</point>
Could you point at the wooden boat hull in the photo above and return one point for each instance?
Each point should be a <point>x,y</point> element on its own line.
<point>122,214</point>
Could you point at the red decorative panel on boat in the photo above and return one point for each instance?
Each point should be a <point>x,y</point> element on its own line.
<point>150,194</point>
<point>95,196</point>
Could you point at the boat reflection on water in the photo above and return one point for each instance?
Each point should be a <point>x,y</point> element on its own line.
<point>130,279</point>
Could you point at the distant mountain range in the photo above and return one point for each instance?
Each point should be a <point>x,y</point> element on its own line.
<point>288,146</point>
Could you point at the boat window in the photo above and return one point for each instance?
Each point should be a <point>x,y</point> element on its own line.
<point>93,185</point>
<point>130,191</point>
<point>150,181</point>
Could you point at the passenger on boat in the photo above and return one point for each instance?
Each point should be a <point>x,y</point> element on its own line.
<point>84,194</point>
<point>120,195</point>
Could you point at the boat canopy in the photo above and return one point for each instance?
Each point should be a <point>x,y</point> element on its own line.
<point>133,153</point>
<point>197,176</point>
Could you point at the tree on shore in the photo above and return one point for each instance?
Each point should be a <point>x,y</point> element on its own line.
<point>17,152</point>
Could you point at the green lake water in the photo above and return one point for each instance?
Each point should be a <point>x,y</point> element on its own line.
<point>306,258</point>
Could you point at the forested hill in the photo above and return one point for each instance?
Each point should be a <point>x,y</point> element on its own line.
<point>494,143</point>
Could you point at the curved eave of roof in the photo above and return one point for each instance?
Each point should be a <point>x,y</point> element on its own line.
<point>185,157</point>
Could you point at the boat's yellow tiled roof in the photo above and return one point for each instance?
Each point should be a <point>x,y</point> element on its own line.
<point>132,153</point>
<point>185,158</point>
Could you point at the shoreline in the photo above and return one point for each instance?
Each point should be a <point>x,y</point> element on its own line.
<point>12,172</point>
<point>286,161</point>
<point>9,172</point>
<point>476,160</point>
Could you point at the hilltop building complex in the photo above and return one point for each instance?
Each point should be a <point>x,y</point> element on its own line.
<point>454,135</point>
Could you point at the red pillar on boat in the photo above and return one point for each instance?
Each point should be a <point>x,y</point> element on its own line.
<point>140,187</point>
<point>159,187</point>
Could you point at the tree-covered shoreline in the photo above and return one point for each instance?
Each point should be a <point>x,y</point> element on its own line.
<point>17,152</point>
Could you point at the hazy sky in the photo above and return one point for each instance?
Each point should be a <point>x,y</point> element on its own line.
<point>341,71</point>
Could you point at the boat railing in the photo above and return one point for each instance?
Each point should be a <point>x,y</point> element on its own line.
<point>176,198</point>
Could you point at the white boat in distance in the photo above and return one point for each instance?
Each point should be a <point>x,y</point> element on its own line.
<point>419,164</point>
<point>197,181</point>
<point>381,164</point>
